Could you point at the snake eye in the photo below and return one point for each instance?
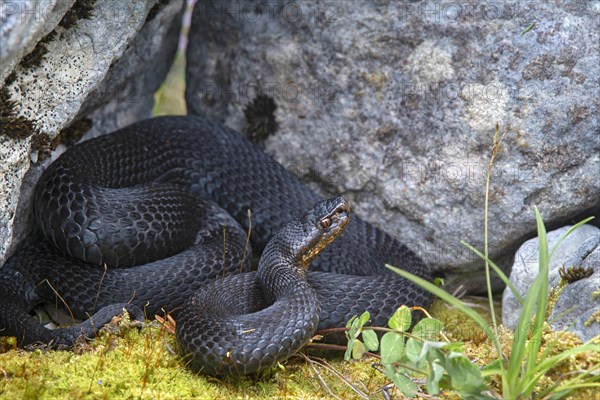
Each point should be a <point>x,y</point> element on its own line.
<point>326,223</point>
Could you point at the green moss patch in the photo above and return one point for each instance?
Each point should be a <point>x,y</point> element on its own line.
<point>459,327</point>
<point>126,362</point>
<point>144,364</point>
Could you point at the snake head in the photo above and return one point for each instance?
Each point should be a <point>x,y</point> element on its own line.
<point>302,239</point>
<point>322,225</point>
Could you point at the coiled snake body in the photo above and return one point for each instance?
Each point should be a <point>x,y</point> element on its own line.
<point>139,202</point>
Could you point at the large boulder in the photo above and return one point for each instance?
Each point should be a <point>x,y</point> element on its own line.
<point>100,66</point>
<point>24,24</point>
<point>394,105</point>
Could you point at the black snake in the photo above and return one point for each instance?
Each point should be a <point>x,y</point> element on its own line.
<point>127,220</point>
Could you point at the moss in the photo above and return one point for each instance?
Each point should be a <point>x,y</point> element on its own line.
<point>553,343</point>
<point>480,349</point>
<point>42,146</point>
<point>575,273</point>
<point>7,106</point>
<point>594,318</point>
<point>35,57</point>
<point>71,134</point>
<point>10,79</point>
<point>82,9</point>
<point>260,118</point>
<point>554,295</point>
<point>483,353</point>
<point>11,125</point>
<point>124,362</point>
<point>457,326</point>
<point>556,342</point>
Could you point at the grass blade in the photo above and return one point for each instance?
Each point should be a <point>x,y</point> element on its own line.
<point>549,362</point>
<point>497,270</point>
<point>517,353</point>
<point>535,342</point>
<point>570,384</point>
<point>442,294</point>
<point>536,295</point>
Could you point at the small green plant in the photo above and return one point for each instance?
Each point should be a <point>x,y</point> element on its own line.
<point>530,27</point>
<point>523,369</point>
<point>403,354</point>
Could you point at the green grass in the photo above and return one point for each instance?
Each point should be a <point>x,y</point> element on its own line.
<point>169,99</point>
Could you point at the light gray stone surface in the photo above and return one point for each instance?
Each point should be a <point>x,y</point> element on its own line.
<point>393,105</point>
<point>126,94</point>
<point>24,24</point>
<point>577,304</point>
<point>106,68</point>
<point>526,268</point>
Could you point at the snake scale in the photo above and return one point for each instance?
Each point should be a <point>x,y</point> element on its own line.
<point>155,216</point>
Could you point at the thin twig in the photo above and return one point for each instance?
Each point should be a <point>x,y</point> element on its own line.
<point>100,285</point>
<point>323,363</point>
<point>224,248</point>
<point>60,297</point>
<point>459,292</point>
<point>319,377</point>
<point>495,147</point>
<point>247,246</point>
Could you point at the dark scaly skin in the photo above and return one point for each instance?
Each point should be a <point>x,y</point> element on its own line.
<point>216,163</point>
<point>274,311</point>
<point>38,272</point>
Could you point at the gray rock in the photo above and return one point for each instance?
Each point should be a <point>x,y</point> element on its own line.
<point>394,106</point>
<point>577,303</point>
<point>526,266</point>
<point>107,68</point>
<point>24,24</point>
<point>126,94</point>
